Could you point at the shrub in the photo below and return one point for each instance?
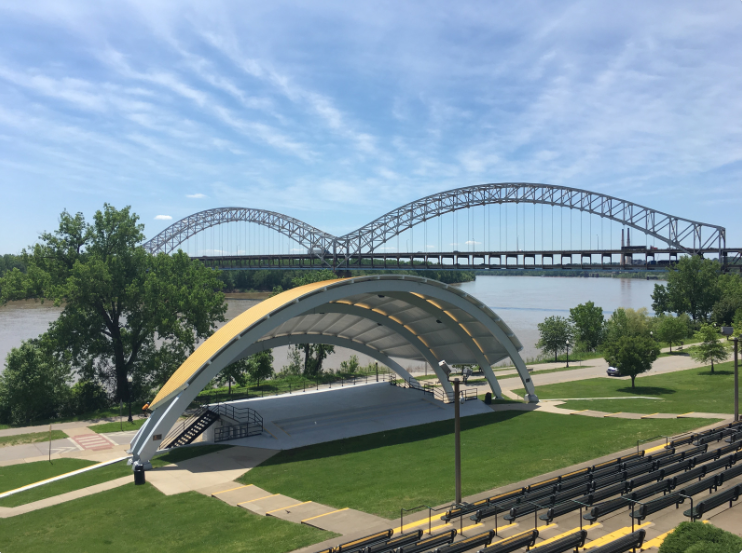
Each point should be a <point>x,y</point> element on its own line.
<point>698,536</point>
<point>87,396</point>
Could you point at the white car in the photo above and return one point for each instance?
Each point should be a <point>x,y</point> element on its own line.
<point>613,371</point>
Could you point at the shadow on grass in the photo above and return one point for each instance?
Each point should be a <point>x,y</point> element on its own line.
<point>387,438</point>
<point>647,391</point>
<point>716,372</point>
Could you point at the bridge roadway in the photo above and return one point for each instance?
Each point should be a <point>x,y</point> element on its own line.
<point>593,259</point>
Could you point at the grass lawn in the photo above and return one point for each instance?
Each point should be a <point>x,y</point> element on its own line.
<point>133,518</point>
<point>20,475</point>
<point>136,424</point>
<point>32,438</point>
<point>679,392</point>
<point>380,473</point>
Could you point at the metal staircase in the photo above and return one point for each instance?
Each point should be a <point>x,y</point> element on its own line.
<point>191,428</point>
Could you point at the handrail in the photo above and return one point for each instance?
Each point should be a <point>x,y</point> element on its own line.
<point>177,430</point>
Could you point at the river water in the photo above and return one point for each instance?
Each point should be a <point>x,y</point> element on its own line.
<point>521,301</point>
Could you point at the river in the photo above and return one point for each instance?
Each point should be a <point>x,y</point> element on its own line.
<point>521,301</point>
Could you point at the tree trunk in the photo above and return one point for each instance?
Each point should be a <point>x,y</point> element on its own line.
<point>632,381</point>
<point>712,366</point>
<point>555,355</point>
<point>229,383</point>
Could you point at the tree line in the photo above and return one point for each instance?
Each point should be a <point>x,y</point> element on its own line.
<point>696,302</point>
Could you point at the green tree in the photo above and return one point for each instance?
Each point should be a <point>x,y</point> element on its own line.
<point>692,288</point>
<point>126,312</point>
<point>261,365</point>
<point>627,322</point>
<point>632,355</point>
<point>588,322</point>
<point>711,349</point>
<point>235,372</point>
<point>672,330</point>
<point>351,365</point>
<point>34,385</point>
<point>554,333</point>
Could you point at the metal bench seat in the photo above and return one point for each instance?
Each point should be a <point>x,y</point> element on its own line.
<point>513,543</point>
<point>494,509</point>
<point>429,543</point>
<point>583,481</point>
<point>655,476</point>
<point>669,460</point>
<point>607,471</point>
<point>527,508</point>
<point>571,493</point>
<point>485,538</point>
<point>360,543</point>
<point>605,493</point>
<point>567,543</point>
<point>717,500</point>
<point>728,449</point>
<point>692,452</point>
<point>681,441</point>
<point>637,461</point>
<point>472,507</point>
<point>705,457</point>
<point>565,507</point>
<point>707,484</point>
<point>649,491</point>
<point>734,438</point>
<point>643,510</point>
<point>682,466</point>
<point>540,493</point>
<point>579,473</point>
<point>390,545</point>
<point>728,474</point>
<point>723,462</point>
<point>639,469</point>
<point>605,508</point>
<point>688,476</point>
<point>624,543</point>
<point>714,437</point>
<point>548,484</point>
<point>608,480</point>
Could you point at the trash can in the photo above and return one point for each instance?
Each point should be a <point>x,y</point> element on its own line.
<point>138,475</point>
<point>488,398</point>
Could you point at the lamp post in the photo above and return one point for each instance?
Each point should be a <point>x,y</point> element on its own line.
<point>736,381</point>
<point>129,380</point>
<point>457,432</point>
<point>567,353</point>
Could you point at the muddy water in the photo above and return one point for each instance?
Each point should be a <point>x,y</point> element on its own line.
<point>522,302</point>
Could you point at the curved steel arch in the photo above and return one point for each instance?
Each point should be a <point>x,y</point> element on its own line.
<point>668,228</point>
<point>302,233</point>
<point>663,226</point>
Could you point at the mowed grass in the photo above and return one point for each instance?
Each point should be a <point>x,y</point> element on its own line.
<point>20,475</point>
<point>679,392</point>
<point>117,426</point>
<point>31,438</point>
<point>134,518</point>
<point>380,473</point>
<point>72,483</point>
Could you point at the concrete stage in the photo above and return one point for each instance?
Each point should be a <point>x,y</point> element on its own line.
<point>313,417</point>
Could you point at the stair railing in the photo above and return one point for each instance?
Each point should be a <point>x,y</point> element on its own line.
<point>178,429</point>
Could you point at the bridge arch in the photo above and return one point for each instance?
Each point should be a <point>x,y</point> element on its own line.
<point>381,316</point>
<point>668,228</point>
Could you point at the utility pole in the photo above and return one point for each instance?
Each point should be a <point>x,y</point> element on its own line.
<point>736,380</point>
<point>457,418</point>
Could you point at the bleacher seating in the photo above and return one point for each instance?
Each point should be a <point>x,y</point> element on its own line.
<point>682,466</point>
<point>728,448</point>
<point>360,543</point>
<point>713,437</point>
<point>688,476</point>
<point>648,491</point>
<point>608,480</point>
<point>513,543</point>
<point>391,544</point>
<point>624,543</point>
<point>473,507</point>
<point>642,510</point>
<point>429,543</point>
<point>707,484</point>
<point>485,538</point>
<point>638,470</point>
<point>716,500</point>
<point>728,474</point>
<point>655,476</point>
<point>567,543</point>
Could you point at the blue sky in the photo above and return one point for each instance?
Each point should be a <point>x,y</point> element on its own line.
<point>336,112</point>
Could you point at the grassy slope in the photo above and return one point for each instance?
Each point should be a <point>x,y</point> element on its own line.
<point>680,392</point>
<point>133,518</point>
<point>380,473</point>
<point>31,438</point>
<point>15,476</point>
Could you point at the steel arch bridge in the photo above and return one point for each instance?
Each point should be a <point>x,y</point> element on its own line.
<point>680,234</point>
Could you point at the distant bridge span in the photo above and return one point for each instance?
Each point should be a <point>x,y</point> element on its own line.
<point>680,234</point>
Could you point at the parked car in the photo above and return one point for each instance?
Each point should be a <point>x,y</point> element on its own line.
<point>613,371</point>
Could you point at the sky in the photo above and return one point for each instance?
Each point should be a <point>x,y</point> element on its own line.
<point>337,112</point>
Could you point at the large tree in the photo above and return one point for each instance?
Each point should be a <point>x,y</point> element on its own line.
<point>555,331</point>
<point>692,288</point>
<point>126,312</point>
<point>588,322</point>
<point>632,355</point>
<point>672,330</point>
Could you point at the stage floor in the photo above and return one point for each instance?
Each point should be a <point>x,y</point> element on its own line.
<point>313,417</point>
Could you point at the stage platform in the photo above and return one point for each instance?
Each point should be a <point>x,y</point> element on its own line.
<point>313,417</point>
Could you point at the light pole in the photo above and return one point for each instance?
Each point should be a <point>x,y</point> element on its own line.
<point>129,380</point>
<point>736,381</point>
<point>567,353</point>
<point>457,428</point>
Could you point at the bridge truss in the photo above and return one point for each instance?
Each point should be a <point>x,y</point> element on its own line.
<point>679,234</point>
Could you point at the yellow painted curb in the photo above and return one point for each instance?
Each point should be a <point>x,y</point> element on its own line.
<point>287,507</point>
<point>615,535</point>
<point>416,523</point>
<point>232,489</point>
<point>330,513</point>
<point>652,415</point>
<point>259,498</point>
<point>563,535</point>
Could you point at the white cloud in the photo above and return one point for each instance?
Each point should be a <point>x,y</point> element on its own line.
<point>472,243</point>
<point>163,218</point>
<point>197,196</point>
